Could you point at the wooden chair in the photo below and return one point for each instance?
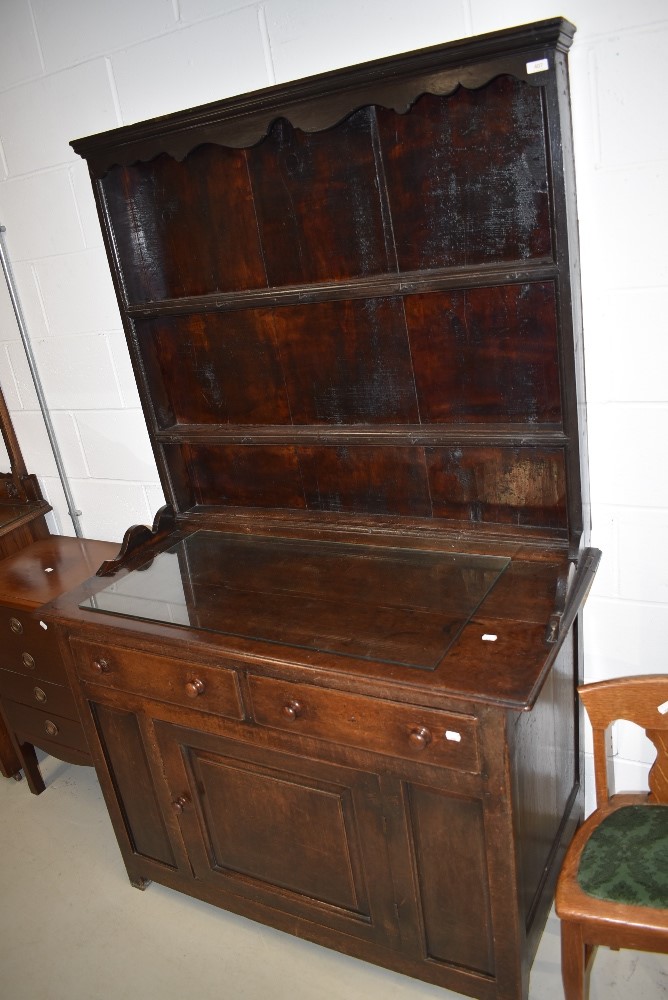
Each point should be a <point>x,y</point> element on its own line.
<point>613,887</point>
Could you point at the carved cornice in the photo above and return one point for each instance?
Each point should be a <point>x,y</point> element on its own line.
<point>321,101</point>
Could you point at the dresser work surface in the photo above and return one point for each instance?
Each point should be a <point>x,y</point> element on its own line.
<point>333,687</point>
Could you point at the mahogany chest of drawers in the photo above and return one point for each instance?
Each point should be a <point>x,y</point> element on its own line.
<point>36,700</point>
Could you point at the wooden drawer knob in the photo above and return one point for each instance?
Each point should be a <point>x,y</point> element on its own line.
<point>16,626</point>
<point>101,666</point>
<point>51,728</point>
<point>293,709</point>
<point>40,695</point>
<point>420,738</point>
<point>179,804</point>
<point>195,688</point>
<point>28,661</point>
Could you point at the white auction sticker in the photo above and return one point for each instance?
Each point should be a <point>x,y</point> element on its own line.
<point>538,66</point>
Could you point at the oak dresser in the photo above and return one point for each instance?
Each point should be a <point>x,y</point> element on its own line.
<point>333,687</point>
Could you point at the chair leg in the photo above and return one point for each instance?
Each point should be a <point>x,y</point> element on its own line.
<point>572,960</point>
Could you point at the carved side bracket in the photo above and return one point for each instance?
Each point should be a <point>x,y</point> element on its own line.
<point>571,592</point>
<point>562,589</point>
<point>140,539</point>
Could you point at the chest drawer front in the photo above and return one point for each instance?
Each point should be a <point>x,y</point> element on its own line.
<point>38,693</point>
<point>425,734</point>
<point>161,678</point>
<point>43,728</point>
<point>28,648</point>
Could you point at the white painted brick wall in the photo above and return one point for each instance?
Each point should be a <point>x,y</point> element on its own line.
<point>221,57</point>
<point>308,37</point>
<point>81,66</point>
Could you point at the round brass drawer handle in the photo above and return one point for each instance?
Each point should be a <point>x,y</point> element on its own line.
<point>195,688</point>
<point>293,709</point>
<point>179,804</point>
<point>16,626</point>
<point>28,661</point>
<point>101,666</point>
<point>40,695</point>
<point>420,737</point>
<point>51,728</point>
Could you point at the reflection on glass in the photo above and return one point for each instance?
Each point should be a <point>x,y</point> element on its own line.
<point>395,605</point>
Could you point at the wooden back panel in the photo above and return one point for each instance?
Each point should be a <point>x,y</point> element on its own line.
<point>368,309</point>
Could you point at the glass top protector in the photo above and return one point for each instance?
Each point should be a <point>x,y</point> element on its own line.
<point>403,606</point>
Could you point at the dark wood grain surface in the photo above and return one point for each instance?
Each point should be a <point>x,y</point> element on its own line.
<point>457,184</point>
<point>352,308</point>
<point>37,706</point>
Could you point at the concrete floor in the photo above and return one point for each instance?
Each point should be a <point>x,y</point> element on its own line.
<point>72,928</point>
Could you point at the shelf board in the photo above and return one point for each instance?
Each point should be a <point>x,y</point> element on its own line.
<point>518,435</point>
<point>370,286</point>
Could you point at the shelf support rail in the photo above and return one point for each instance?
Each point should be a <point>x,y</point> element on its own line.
<point>74,513</point>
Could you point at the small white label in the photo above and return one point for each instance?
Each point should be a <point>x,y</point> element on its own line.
<point>538,66</point>
<point>663,709</point>
<point>44,625</point>
<point>49,569</point>
<point>454,737</point>
<point>489,637</point>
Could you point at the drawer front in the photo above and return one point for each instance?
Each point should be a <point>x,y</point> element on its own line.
<point>160,678</point>
<point>33,726</point>
<point>425,734</point>
<point>28,648</point>
<point>38,693</point>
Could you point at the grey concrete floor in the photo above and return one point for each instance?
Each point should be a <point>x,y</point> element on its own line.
<point>72,928</point>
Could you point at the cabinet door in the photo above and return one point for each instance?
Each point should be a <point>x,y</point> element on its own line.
<point>448,844</point>
<point>284,831</point>
<point>130,790</point>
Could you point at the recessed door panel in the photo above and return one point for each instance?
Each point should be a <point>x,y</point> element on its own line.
<point>289,832</point>
<point>323,866</point>
<point>449,848</point>
<point>121,740</point>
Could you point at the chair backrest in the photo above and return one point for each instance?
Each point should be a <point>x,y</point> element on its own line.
<point>643,700</point>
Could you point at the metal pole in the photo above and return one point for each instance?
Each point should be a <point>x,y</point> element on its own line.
<point>32,364</point>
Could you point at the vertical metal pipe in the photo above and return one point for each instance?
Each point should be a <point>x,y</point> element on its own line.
<point>32,364</point>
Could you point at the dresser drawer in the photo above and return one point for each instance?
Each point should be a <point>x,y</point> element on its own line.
<point>389,727</point>
<point>38,693</point>
<point>208,689</point>
<point>29,648</point>
<point>44,728</point>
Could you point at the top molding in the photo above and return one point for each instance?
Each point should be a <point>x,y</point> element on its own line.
<point>320,101</point>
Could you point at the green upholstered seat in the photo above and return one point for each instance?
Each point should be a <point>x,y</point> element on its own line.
<point>626,858</point>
